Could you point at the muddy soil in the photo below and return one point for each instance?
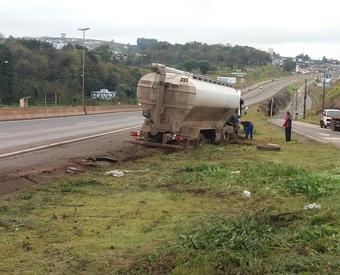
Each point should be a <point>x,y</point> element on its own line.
<point>33,169</point>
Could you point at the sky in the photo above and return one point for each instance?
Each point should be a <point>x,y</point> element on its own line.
<point>289,27</point>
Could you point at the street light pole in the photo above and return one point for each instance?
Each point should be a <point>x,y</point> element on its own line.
<point>323,91</point>
<point>304,100</point>
<point>83,84</point>
<point>5,62</point>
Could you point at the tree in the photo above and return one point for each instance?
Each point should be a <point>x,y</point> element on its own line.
<point>190,64</point>
<point>104,53</point>
<point>204,66</point>
<point>289,65</point>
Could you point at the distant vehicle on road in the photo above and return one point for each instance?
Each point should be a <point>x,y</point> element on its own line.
<point>327,116</point>
<point>335,122</point>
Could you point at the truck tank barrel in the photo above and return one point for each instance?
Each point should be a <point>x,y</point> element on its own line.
<point>173,100</point>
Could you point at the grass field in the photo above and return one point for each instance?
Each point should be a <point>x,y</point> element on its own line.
<point>184,213</point>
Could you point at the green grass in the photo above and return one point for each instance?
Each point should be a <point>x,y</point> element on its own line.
<point>184,213</point>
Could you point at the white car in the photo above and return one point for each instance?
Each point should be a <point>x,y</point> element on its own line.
<point>326,117</point>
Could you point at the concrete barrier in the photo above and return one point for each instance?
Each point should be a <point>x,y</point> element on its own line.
<point>45,112</point>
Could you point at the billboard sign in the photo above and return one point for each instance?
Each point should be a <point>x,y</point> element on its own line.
<point>227,79</point>
<point>103,94</point>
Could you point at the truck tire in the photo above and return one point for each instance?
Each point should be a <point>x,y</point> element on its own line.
<point>321,124</point>
<point>268,147</point>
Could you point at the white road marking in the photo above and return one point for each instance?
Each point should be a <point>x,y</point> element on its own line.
<point>65,142</point>
<point>332,138</point>
<point>327,135</point>
<point>3,133</point>
<point>86,122</point>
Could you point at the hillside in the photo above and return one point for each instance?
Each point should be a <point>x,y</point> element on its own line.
<point>197,56</point>
<point>35,68</point>
<point>332,101</point>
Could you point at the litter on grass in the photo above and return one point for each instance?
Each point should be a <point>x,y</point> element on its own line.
<point>234,172</point>
<point>246,194</point>
<point>72,170</point>
<point>312,206</point>
<point>137,171</point>
<point>115,173</point>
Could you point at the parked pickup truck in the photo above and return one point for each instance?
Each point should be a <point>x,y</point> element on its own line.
<point>335,122</point>
<point>327,116</point>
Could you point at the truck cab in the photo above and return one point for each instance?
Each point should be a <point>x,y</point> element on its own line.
<point>326,117</point>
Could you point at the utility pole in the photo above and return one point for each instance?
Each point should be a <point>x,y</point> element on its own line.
<point>292,107</point>
<point>296,104</point>
<point>271,109</point>
<point>323,91</point>
<point>304,100</point>
<point>83,94</point>
<point>3,62</point>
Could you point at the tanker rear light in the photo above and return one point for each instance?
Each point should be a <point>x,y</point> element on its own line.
<point>178,138</point>
<point>135,134</point>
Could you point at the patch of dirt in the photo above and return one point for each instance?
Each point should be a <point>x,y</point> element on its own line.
<point>31,170</point>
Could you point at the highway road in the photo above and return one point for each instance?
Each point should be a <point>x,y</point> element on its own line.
<point>260,92</point>
<point>313,132</point>
<point>16,136</point>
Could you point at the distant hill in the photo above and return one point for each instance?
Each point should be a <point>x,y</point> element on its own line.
<point>189,56</point>
<point>35,66</point>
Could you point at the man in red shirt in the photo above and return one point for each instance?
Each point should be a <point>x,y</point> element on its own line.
<point>288,126</point>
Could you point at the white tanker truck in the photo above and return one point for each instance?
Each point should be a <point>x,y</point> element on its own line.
<point>184,110</point>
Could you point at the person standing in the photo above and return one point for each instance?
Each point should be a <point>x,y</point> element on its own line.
<point>288,126</point>
<point>248,127</point>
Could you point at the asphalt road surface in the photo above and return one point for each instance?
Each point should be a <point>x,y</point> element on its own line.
<point>314,132</point>
<point>260,92</point>
<point>27,134</point>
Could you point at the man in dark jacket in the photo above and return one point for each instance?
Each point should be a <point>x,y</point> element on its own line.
<point>248,127</point>
<point>288,126</point>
